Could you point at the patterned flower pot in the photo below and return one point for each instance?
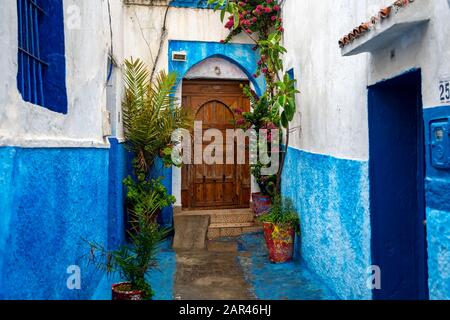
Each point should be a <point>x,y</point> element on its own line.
<point>280,242</point>
<point>122,291</point>
<point>260,204</point>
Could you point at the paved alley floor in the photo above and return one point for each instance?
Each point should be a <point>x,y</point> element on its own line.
<point>205,275</point>
<point>239,269</point>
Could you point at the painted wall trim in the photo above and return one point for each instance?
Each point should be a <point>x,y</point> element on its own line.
<point>199,4</point>
<point>53,143</point>
<point>327,154</point>
<point>241,55</point>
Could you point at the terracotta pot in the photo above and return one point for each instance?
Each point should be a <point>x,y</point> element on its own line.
<point>280,242</point>
<point>120,291</point>
<point>261,204</point>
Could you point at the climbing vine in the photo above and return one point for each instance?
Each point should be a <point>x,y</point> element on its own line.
<point>261,21</point>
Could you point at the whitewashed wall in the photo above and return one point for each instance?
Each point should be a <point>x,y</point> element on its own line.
<point>332,104</point>
<point>143,30</point>
<point>87,39</point>
<point>427,48</point>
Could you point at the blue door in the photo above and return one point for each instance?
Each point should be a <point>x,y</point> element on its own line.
<point>397,166</point>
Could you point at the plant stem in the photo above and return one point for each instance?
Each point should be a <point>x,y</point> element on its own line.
<point>283,158</point>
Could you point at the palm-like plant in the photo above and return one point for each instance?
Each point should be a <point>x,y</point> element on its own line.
<point>134,261</point>
<point>150,113</point>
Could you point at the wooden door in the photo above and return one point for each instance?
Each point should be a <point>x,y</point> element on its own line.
<point>215,186</point>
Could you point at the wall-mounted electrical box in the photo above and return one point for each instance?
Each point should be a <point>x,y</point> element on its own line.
<point>180,56</point>
<point>440,143</point>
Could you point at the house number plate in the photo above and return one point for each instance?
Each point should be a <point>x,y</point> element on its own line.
<point>444,90</point>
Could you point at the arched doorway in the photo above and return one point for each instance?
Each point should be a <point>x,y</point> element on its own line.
<point>215,186</point>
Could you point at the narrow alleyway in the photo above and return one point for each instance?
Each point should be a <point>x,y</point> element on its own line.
<point>233,268</point>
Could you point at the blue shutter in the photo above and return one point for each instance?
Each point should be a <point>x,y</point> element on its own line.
<point>30,82</point>
<point>41,76</point>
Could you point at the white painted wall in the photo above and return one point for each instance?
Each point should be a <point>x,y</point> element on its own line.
<point>143,30</point>
<point>87,44</point>
<point>332,110</point>
<point>332,104</point>
<point>427,48</point>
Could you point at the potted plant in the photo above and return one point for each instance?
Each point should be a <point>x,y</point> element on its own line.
<point>134,260</point>
<point>281,225</point>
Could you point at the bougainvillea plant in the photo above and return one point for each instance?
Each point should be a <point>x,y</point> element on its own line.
<point>261,21</point>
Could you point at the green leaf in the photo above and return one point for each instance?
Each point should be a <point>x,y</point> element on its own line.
<point>282,100</point>
<point>236,20</point>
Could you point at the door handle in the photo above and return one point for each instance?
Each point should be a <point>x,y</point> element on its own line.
<point>224,178</point>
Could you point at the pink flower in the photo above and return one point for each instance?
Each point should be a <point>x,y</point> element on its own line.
<point>229,24</point>
<point>276,8</point>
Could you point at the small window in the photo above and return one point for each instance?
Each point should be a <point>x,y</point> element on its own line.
<point>41,76</point>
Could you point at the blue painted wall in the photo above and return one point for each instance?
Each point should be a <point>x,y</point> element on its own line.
<point>53,200</point>
<point>437,189</point>
<point>118,171</point>
<point>241,55</point>
<point>202,4</point>
<point>332,198</point>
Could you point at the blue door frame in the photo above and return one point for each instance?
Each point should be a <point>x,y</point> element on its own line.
<point>397,171</point>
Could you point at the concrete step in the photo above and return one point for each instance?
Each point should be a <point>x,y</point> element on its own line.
<point>233,217</point>
<point>190,232</point>
<point>225,223</point>
<point>218,230</point>
<point>223,216</point>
